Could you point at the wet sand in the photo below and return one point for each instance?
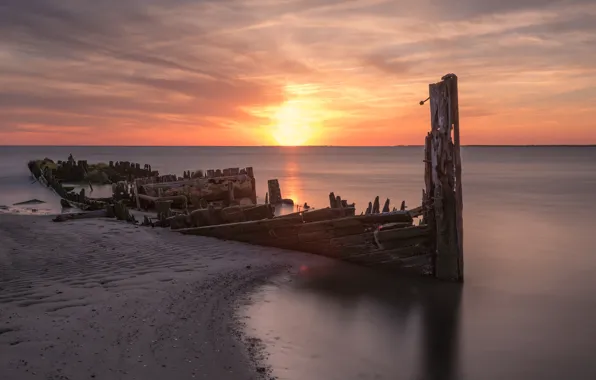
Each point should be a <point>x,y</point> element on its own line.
<point>106,300</point>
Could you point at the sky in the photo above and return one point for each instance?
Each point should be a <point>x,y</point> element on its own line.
<point>292,72</point>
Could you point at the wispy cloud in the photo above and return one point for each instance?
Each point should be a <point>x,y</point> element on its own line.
<point>214,71</point>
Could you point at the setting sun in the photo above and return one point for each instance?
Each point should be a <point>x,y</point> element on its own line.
<point>292,125</point>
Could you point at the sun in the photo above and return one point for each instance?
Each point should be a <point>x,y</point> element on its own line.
<point>292,124</point>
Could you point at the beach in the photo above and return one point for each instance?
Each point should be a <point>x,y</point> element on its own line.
<point>108,300</point>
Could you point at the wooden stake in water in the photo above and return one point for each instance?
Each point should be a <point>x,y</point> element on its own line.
<point>443,185</point>
<point>386,205</point>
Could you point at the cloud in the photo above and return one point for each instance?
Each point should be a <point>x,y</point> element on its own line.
<point>389,67</point>
<point>223,65</point>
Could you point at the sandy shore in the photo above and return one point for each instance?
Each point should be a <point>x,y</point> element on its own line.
<point>107,300</point>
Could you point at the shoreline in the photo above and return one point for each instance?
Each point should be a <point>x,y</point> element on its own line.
<point>104,299</point>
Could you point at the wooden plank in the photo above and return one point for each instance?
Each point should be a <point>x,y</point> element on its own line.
<point>315,235</point>
<point>416,212</point>
<point>326,214</point>
<point>251,226</point>
<point>401,233</point>
<point>389,217</point>
<point>351,240</point>
<point>393,226</point>
<point>333,223</point>
<point>408,242</point>
<point>356,250</point>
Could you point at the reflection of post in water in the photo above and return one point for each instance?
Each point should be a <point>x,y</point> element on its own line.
<point>440,332</point>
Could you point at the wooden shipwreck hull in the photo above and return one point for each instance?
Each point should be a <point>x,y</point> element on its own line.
<point>45,176</point>
<point>384,239</point>
<point>222,204</point>
<point>389,240</point>
<point>231,186</point>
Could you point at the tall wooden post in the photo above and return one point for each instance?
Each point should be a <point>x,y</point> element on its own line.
<point>443,180</point>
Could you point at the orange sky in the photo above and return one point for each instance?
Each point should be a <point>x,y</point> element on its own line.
<point>319,72</point>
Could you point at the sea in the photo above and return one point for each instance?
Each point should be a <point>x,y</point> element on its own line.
<point>527,307</point>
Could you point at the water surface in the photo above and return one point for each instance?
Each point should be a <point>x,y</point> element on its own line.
<point>526,311</point>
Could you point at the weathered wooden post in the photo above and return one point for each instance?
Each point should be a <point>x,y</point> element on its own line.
<point>443,203</point>
<point>332,200</point>
<point>386,205</point>
<point>376,206</point>
<point>274,191</point>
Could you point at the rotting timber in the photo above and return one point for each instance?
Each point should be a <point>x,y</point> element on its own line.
<point>55,174</point>
<point>222,204</point>
<point>381,238</point>
<point>387,239</point>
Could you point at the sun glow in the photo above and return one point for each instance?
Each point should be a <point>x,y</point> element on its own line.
<point>293,125</point>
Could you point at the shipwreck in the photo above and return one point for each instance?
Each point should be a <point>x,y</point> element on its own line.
<point>222,203</point>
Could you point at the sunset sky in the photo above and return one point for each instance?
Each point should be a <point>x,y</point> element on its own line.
<point>318,72</point>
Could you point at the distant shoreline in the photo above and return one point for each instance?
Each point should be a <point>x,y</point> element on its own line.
<point>302,146</point>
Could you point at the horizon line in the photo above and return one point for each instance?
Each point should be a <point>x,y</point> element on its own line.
<point>306,146</point>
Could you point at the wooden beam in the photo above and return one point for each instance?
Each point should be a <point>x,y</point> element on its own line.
<point>448,256</point>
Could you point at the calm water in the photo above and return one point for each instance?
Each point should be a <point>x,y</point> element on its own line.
<point>526,311</point>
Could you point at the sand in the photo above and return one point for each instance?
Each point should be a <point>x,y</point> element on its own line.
<point>101,299</point>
